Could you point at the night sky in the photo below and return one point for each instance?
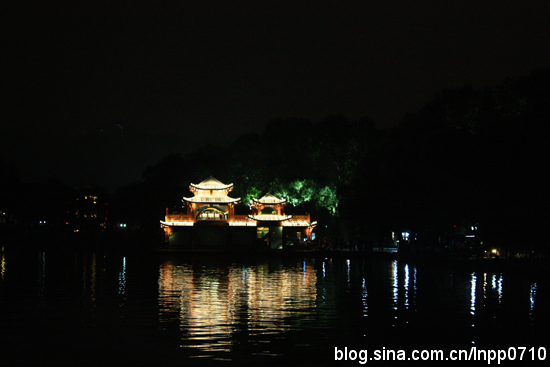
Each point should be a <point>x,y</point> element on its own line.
<point>93,92</point>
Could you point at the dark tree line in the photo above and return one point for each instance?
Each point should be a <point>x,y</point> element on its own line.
<point>472,156</point>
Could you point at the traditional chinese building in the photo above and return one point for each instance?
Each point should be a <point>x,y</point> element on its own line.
<point>211,201</point>
<point>277,228</point>
<point>210,221</point>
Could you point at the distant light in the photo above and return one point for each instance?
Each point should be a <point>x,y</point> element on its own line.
<point>494,251</point>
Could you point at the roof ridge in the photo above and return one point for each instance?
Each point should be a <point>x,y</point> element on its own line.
<point>270,197</point>
<point>212,178</point>
<point>212,183</point>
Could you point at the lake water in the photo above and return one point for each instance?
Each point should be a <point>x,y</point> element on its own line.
<point>96,308</point>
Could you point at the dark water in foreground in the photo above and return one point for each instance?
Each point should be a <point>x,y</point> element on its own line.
<point>97,308</point>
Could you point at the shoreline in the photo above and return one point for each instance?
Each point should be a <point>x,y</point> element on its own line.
<point>148,243</point>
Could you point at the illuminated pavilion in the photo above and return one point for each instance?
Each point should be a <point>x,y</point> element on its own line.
<point>211,222</point>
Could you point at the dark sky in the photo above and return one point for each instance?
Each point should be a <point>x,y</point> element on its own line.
<point>93,92</point>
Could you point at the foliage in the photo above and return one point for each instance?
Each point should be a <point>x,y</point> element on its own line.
<point>469,156</point>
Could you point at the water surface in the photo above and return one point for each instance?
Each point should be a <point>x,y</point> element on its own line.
<point>102,308</point>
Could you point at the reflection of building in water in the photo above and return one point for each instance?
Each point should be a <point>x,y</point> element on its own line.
<point>473,282</point>
<point>395,284</point>
<point>403,286</point>
<point>122,282</point>
<point>364,298</point>
<point>211,304</point>
<point>272,297</point>
<point>91,270</point>
<point>2,264</point>
<point>532,296</point>
<point>488,295</point>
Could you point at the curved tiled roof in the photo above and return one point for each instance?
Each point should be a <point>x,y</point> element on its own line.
<point>269,199</point>
<point>211,184</point>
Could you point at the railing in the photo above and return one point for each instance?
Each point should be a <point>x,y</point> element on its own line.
<point>241,220</point>
<point>179,218</point>
<point>238,220</point>
<point>212,199</point>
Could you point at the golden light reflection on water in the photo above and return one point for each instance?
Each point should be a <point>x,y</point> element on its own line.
<point>238,313</point>
<point>2,264</point>
<point>211,305</point>
<point>87,267</point>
